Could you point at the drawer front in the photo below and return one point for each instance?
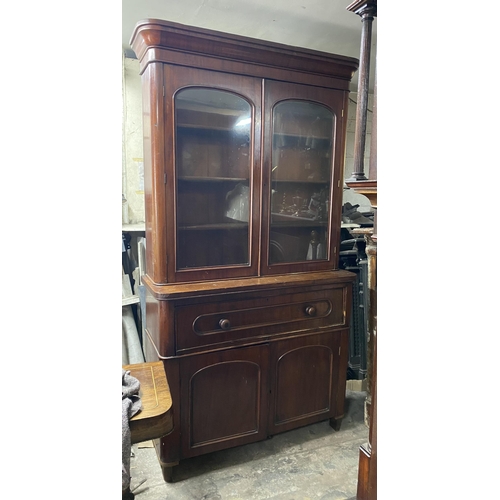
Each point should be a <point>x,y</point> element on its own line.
<point>226,321</point>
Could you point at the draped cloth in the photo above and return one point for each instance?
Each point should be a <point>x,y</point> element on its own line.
<point>131,405</point>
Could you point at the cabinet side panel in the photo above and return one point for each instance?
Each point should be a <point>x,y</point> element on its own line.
<point>159,326</point>
<point>152,330</point>
<point>338,178</point>
<point>169,447</point>
<point>341,374</point>
<point>154,187</point>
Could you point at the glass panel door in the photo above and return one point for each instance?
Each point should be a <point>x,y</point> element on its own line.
<point>302,152</point>
<point>213,171</point>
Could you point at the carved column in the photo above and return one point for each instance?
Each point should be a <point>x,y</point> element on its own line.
<point>367,9</point>
<point>373,143</point>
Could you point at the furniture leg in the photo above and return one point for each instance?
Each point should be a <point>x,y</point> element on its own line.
<point>335,423</point>
<point>168,473</point>
<point>127,495</point>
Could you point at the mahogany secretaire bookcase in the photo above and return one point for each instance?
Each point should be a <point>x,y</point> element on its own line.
<point>243,177</point>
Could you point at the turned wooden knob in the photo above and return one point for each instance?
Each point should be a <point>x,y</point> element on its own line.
<point>225,324</point>
<point>311,311</point>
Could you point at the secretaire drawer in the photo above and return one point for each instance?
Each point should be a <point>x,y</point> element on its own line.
<point>225,321</point>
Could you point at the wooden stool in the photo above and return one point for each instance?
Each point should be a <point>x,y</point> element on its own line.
<point>155,420</point>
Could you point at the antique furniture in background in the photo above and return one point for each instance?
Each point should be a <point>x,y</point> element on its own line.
<point>367,472</point>
<point>243,157</point>
<point>353,259</point>
<point>367,10</point>
<point>155,418</point>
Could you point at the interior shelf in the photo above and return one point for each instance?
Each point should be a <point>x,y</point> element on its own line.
<point>211,179</point>
<point>215,227</point>
<point>278,220</point>
<point>299,181</point>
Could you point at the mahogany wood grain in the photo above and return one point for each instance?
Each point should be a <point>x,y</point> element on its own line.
<point>250,347</point>
<point>158,40</point>
<point>263,317</point>
<point>167,448</point>
<point>334,101</point>
<point>175,291</point>
<point>251,89</point>
<point>363,473</point>
<point>224,396</point>
<point>306,380</point>
<point>154,123</point>
<point>171,317</point>
<point>283,358</point>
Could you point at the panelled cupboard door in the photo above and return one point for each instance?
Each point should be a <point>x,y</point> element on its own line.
<point>213,174</point>
<point>223,399</point>
<point>302,167</point>
<point>305,378</point>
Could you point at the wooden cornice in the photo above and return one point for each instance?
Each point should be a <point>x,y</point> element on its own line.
<point>155,39</point>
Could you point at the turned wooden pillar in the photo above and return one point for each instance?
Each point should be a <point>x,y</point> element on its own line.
<point>367,470</point>
<point>373,143</point>
<point>367,9</point>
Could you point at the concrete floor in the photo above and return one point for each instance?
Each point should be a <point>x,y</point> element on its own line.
<point>313,462</point>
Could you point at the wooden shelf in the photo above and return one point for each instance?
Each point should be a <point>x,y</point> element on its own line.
<point>210,128</point>
<point>212,227</point>
<point>211,179</point>
<point>281,220</point>
<point>302,181</point>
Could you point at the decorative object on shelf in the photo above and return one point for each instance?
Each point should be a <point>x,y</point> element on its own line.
<point>316,248</point>
<point>237,201</point>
